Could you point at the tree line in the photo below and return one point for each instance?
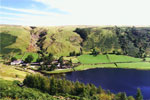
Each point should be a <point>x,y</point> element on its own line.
<point>76,90</point>
<point>133,41</point>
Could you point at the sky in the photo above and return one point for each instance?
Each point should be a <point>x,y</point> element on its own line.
<point>75,12</point>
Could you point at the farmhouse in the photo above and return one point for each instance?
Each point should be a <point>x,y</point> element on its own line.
<point>16,62</point>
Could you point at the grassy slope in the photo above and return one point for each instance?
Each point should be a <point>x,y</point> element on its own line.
<point>66,40</point>
<point>10,73</point>
<point>14,39</point>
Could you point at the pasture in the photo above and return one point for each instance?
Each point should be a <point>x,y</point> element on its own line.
<point>122,58</point>
<point>90,59</point>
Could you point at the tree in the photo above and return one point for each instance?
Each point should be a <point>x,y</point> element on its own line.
<point>6,58</point>
<point>139,95</point>
<point>13,59</point>
<point>53,67</point>
<point>131,98</point>
<point>94,52</point>
<point>61,60</point>
<point>53,86</point>
<point>72,53</point>
<point>123,96</point>
<point>47,59</point>
<point>99,90</point>
<point>70,62</point>
<point>29,59</point>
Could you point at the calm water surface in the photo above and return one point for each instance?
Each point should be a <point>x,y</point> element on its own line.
<point>116,80</point>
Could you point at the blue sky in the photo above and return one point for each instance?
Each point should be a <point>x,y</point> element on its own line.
<point>74,12</point>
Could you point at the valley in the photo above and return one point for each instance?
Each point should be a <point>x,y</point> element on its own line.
<point>37,52</point>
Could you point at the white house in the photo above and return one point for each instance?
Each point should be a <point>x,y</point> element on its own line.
<point>16,62</point>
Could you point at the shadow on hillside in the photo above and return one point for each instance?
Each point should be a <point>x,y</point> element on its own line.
<point>5,41</point>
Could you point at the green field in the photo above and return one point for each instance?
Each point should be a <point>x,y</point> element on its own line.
<point>122,58</point>
<point>84,67</point>
<point>147,59</point>
<point>90,59</point>
<point>137,65</point>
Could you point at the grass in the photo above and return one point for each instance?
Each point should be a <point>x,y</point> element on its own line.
<point>74,59</point>
<point>90,59</point>
<point>14,39</point>
<point>66,40</point>
<point>137,65</point>
<point>122,58</point>
<point>84,67</point>
<point>10,73</point>
<point>35,55</point>
<point>147,59</point>
<point>57,71</point>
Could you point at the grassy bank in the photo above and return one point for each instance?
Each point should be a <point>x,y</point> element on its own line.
<point>85,67</point>
<point>137,65</point>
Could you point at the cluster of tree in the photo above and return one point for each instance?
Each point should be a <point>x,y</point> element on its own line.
<point>11,91</point>
<point>29,59</point>
<point>47,62</point>
<point>74,54</point>
<point>46,59</point>
<point>83,32</point>
<point>94,52</point>
<point>48,68</point>
<point>134,41</point>
<point>49,65</point>
<point>55,86</point>
<point>13,59</point>
<point>40,42</point>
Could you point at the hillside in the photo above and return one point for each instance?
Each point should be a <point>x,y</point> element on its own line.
<point>14,39</point>
<point>61,40</point>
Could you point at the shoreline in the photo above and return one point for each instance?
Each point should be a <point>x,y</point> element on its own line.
<point>86,67</point>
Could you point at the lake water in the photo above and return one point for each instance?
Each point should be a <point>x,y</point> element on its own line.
<point>116,80</point>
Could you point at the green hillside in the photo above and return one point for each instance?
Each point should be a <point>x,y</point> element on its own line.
<point>61,40</point>
<point>102,39</point>
<point>132,41</point>
<point>14,39</point>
